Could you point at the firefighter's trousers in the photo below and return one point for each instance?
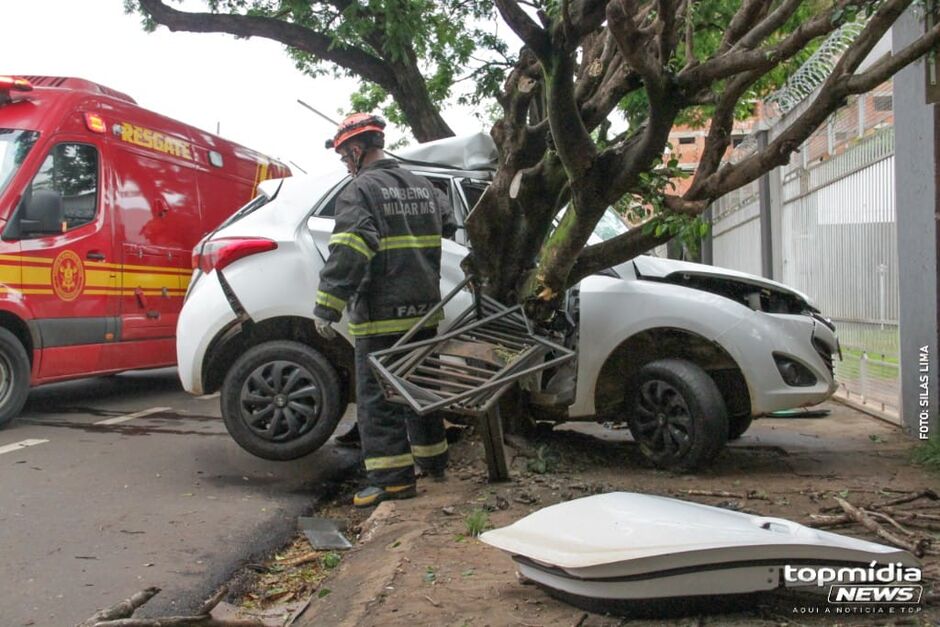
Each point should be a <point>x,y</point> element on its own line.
<point>394,438</point>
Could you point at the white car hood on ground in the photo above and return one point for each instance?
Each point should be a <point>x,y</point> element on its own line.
<point>627,534</point>
<point>656,267</point>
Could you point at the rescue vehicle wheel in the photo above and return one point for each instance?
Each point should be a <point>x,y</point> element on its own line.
<point>14,376</point>
<point>281,400</point>
<point>677,415</point>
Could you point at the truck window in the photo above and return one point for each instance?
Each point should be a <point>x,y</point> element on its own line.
<point>14,146</point>
<point>72,171</point>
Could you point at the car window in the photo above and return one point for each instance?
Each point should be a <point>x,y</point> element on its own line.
<point>14,146</point>
<point>610,225</point>
<point>473,191</point>
<point>71,170</point>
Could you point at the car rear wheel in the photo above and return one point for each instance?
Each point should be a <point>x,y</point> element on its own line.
<point>281,400</point>
<point>14,376</point>
<point>677,415</point>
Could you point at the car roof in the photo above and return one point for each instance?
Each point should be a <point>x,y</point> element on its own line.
<point>468,153</point>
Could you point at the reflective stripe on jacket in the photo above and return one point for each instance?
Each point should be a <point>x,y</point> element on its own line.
<point>385,251</point>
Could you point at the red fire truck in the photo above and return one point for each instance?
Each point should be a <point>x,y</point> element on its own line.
<point>101,203</point>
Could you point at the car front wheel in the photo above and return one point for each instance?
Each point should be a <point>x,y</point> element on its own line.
<point>281,400</point>
<point>677,415</point>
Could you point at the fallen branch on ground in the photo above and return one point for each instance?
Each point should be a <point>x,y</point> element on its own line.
<point>907,498</point>
<point>123,609</point>
<point>917,547</point>
<point>120,615</point>
<point>923,494</point>
<point>752,494</point>
<point>892,522</point>
<point>300,560</point>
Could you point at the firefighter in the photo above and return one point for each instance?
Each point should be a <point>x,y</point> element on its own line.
<point>384,268</point>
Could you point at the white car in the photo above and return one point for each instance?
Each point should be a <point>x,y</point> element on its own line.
<point>685,353</point>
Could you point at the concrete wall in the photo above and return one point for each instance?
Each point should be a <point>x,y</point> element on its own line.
<point>916,172</point>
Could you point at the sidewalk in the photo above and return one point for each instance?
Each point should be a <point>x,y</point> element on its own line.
<point>415,562</point>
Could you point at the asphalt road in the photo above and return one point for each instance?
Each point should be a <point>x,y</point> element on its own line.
<point>127,482</point>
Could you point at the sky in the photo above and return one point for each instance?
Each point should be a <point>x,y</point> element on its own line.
<point>248,89</point>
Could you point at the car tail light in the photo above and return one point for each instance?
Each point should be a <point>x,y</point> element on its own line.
<point>218,253</point>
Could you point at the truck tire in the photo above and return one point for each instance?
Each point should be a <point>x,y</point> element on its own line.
<point>677,415</point>
<point>14,376</point>
<point>281,400</point>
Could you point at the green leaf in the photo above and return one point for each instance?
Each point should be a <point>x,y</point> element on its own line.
<point>323,592</point>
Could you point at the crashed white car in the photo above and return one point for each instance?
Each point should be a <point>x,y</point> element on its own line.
<point>685,354</point>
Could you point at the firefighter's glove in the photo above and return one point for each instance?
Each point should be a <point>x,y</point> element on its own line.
<point>324,328</point>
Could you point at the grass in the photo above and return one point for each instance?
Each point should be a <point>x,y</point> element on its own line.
<point>928,454</point>
<point>331,560</point>
<point>477,522</point>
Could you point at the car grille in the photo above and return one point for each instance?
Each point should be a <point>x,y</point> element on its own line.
<point>825,354</point>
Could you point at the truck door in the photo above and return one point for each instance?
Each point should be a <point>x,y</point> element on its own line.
<point>70,279</point>
<point>157,202</point>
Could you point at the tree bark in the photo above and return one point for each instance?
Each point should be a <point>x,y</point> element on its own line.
<point>403,80</point>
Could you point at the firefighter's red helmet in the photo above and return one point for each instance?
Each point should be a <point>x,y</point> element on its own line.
<point>353,125</point>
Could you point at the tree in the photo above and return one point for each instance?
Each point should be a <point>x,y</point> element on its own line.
<point>659,61</point>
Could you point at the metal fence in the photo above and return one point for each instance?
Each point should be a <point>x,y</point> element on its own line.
<point>736,230</point>
<point>836,207</point>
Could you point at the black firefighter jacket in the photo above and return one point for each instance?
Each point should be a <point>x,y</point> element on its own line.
<point>385,251</point>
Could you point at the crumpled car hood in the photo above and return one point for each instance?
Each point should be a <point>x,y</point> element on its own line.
<point>656,268</point>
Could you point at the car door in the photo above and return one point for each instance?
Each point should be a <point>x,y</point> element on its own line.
<point>69,278</point>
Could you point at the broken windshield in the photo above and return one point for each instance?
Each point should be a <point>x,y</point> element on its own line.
<point>14,146</point>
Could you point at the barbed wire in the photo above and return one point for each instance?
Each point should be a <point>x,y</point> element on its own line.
<point>805,81</point>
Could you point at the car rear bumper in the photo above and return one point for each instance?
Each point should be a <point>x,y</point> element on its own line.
<point>205,314</point>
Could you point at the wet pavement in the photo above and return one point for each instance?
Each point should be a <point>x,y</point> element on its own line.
<point>114,484</point>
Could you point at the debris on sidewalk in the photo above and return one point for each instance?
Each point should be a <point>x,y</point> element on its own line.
<point>419,561</point>
<point>119,615</point>
<point>324,534</point>
<point>628,546</point>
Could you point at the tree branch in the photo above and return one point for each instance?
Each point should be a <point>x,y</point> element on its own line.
<point>611,252</point>
<point>632,42</point>
<point>749,13</point>
<point>737,60</point>
<point>668,33</point>
<point>356,60</point>
<point>769,24</point>
<point>893,63</point>
<point>533,35</point>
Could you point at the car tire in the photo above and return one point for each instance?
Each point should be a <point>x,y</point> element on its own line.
<point>737,425</point>
<point>281,400</point>
<point>677,415</point>
<point>14,377</point>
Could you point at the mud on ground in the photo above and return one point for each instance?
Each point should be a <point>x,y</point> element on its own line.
<point>417,563</point>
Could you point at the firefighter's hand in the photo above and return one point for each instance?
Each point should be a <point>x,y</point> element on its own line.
<point>324,328</point>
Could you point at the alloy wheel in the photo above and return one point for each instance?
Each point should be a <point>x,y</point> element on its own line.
<point>281,401</point>
<point>662,418</point>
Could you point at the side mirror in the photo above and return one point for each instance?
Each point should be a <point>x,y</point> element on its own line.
<point>42,213</point>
